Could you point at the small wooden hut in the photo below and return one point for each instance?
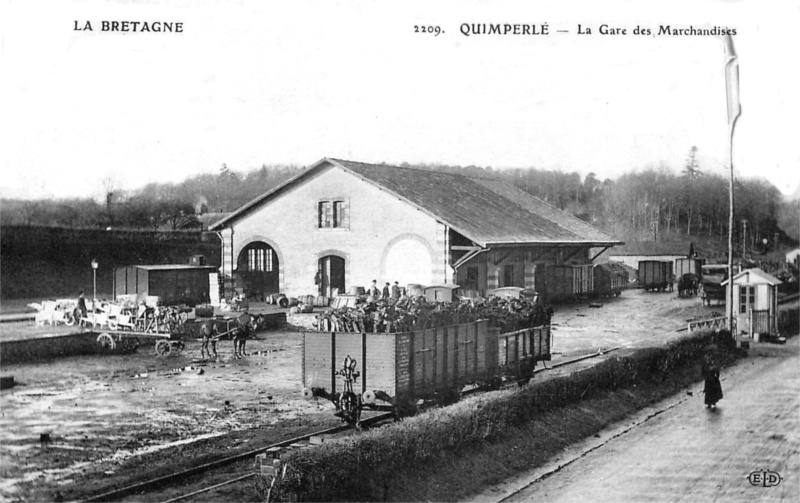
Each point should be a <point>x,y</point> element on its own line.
<point>755,302</point>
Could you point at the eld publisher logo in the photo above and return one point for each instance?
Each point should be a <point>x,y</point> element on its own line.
<point>764,478</point>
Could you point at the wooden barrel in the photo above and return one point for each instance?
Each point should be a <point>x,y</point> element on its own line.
<point>282,300</point>
<point>321,301</point>
<point>360,290</point>
<point>306,299</point>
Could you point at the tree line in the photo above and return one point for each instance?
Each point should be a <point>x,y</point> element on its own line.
<point>646,204</point>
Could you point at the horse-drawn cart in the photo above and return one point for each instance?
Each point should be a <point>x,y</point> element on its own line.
<point>169,337</point>
<point>126,328</point>
<point>110,340</point>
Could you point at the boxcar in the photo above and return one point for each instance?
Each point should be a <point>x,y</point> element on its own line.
<point>655,275</point>
<point>569,282</point>
<point>173,284</point>
<point>401,368</point>
<point>689,266</point>
<point>610,279</point>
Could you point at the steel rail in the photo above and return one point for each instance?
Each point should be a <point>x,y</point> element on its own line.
<point>211,488</point>
<point>166,479</point>
<point>196,470</point>
<point>600,352</point>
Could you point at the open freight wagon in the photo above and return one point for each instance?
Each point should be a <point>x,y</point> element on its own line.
<point>610,279</point>
<point>356,370</point>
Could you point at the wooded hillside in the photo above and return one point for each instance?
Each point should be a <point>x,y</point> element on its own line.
<point>649,204</point>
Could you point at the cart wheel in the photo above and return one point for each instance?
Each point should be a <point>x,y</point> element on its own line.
<point>106,342</point>
<point>163,348</point>
<point>69,319</point>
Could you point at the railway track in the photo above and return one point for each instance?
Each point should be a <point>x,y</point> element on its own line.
<point>173,479</point>
<point>246,459</point>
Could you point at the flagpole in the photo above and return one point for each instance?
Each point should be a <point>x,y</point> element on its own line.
<point>734,111</point>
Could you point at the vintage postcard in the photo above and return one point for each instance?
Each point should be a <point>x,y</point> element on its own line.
<point>409,251</point>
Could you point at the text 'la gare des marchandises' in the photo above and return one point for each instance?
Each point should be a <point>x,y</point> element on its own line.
<point>471,29</point>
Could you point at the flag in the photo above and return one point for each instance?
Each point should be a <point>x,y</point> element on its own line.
<point>732,81</point>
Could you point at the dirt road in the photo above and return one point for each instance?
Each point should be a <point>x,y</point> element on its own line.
<point>688,452</point>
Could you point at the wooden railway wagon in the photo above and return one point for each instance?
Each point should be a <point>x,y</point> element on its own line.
<point>401,368</point>
<point>656,275</point>
<point>569,282</point>
<point>173,284</point>
<point>610,279</point>
<point>689,266</point>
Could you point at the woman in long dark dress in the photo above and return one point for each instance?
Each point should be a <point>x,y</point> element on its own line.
<point>713,388</point>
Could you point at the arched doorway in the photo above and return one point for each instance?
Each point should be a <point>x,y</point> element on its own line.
<point>257,268</point>
<point>408,260</point>
<point>330,275</point>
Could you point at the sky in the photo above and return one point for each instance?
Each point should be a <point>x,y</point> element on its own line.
<point>248,83</point>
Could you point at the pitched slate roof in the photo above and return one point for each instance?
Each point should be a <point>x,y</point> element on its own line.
<point>487,211</point>
<point>173,267</point>
<point>755,276</point>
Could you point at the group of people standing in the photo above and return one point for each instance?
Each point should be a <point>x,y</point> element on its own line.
<point>389,291</point>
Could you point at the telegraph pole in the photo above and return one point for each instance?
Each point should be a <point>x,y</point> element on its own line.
<point>744,239</point>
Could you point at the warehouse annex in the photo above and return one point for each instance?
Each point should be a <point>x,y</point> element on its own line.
<point>339,225</point>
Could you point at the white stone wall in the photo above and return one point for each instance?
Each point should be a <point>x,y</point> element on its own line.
<point>379,225</point>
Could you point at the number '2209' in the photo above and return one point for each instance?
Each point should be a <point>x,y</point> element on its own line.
<point>435,30</point>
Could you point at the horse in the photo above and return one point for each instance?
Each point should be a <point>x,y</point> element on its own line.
<point>245,327</point>
<point>208,331</point>
<point>687,285</point>
<point>238,329</point>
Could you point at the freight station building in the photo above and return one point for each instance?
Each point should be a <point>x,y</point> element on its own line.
<point>339,224</point>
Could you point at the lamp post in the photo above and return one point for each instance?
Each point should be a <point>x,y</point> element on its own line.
<point>94,274</point>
